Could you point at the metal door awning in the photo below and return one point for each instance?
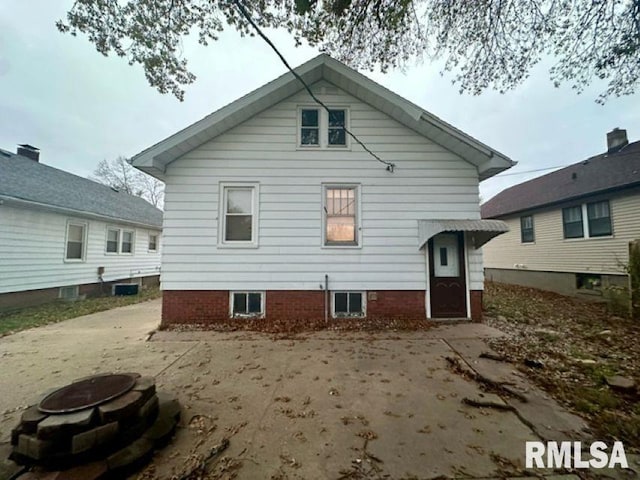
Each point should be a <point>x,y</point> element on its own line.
<point>482,230</point>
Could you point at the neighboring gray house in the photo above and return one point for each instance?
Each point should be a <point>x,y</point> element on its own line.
<point>273,211</point>
<point>570,229</point>
<point>65,236</point>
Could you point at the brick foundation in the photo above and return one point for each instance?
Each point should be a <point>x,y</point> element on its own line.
<point>476,305</point>
<point>211,307</point>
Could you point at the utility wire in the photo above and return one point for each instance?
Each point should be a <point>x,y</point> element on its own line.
<point>531,171</point>
<point>243,11</point>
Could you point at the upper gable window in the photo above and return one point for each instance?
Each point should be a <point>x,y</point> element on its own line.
<point>336,133</point>
<point>310,126</point>
<point>320,128</point>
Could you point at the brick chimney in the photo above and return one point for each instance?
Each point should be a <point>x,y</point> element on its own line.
<point>616,139</point>
<point>29,151</point>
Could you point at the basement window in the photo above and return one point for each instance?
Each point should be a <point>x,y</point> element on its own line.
<point>588,281</point>
<point>247,304</point>
<point>348,304</point>
<point>69,293</point>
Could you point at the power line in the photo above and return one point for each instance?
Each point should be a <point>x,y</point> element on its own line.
<point>247,16</point>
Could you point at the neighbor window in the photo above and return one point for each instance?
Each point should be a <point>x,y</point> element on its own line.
<point>526,229</point>
<point>113,240</point>
<point>341,215</point>
<point>239,215</point>
<point>76,238</point>
<point>599,218</point>
<point>247,304</point>
<point>337,123</point>
<point>348,304</point>
<point>310,126</point>
<point>572,222</point>
<point>153,242</point>
<point>127,242</point>
<point>588,281</point>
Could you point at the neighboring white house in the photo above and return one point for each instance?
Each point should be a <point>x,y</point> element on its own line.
<point>62,236</point>
<point>570,229</point>
<point>273,211</point>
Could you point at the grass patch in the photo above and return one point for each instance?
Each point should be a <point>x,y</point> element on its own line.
<point>58,311</point>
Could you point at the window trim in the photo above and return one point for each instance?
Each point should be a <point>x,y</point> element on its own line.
<point>606,235</point>
<point>358,220</point>
<point>363,296</point>
<point>533,229</point>
<point>133,241</point>
<point>106,241</point>
<point>323,125</point>
<point>255,223</point>
<point>85,237</point>
<point>157,242</point>
<point>584,210</point>
<point>262,312</point>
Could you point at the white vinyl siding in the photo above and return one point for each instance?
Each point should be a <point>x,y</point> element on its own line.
<point>551,252</point>
<point>33,246</point>
<point>429,182</point>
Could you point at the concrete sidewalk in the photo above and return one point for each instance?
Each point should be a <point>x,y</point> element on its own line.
<point>317,405</point>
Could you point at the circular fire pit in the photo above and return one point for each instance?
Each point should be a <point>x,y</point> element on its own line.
<point>105,423</point>
<point>88,392</point>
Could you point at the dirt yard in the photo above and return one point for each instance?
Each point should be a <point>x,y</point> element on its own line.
<point>578,345</point>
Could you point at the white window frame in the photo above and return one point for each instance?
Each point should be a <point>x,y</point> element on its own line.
<point>133,241</point>
<point>255,215</point>
<point>323,123</point>
<point>358,220</point>
<point>585,222</point>
<point>106,240</point>
<point>157,242</point>
<point>85,232</point>
<point>262,312</point>
<point>363,296</point>
<point>121,231</point>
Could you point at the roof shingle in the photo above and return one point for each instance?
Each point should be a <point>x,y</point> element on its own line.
<point>26,179</point>
<point>600,173</point>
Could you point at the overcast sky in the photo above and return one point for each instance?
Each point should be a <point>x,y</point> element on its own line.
<point>78,107</point>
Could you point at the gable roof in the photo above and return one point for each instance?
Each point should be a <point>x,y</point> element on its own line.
<point>598,174</point>
<point>29,182</point>
<point>154,159</point>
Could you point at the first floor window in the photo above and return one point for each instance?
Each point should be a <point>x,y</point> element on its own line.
<point>239,210</point>
<point>341,216</point>
<point>526,229</point>
<point>127,241</point>
<point>572,222</point>
<point>247,304</point>
<point>153,242</point>
<point>75,241</point>
<point>348,304</point>
<point>599,218</point>
<point>113,240</point>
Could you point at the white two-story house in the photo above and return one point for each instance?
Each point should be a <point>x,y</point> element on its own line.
<point>273,210</point>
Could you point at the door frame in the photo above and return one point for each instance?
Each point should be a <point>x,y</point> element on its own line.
<point>465,265</point>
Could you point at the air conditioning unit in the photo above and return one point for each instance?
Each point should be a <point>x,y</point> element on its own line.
<point>121,289</point>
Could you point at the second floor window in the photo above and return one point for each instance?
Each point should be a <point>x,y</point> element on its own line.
<point>526,229</point>
<point>310,126</point>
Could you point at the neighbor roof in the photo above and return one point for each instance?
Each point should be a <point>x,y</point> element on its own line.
<point>30,182</point>
<point>489,162</point>
<point>601,173</point>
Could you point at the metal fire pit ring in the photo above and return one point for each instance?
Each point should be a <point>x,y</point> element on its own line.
<point>88,393</point>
